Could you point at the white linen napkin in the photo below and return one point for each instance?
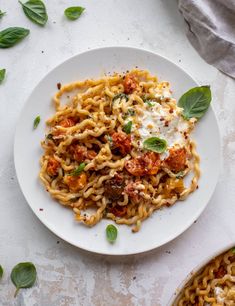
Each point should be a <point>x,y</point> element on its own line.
<point>211,31</point>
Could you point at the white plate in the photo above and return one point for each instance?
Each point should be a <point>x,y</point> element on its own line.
<point>163,225</point>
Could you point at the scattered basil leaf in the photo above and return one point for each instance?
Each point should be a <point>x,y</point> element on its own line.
<point>155,144</point>
<point>127,127</point>
<point>120,96</point>
<point>130,112</point>
<point>1,271</point>
<point>23,275</point>
<point>36,122</point>
<point>11,36</point>
<point>179,174</point>
<point>78,170</point>
<point>111,233</point>
<point>74,12</point>
<point>2,14</point>
<point>195,102</point>
<point>110,140</point>
<point>35,10</point>
<point>233,250</point>
<point>2,74</point>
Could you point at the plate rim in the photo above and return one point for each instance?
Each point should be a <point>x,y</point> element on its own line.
<point>40,217</point>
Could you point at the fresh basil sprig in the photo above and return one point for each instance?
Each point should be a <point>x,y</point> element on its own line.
<point>36,122</point>
<point>35,10</point>
<point>2,74</point>
<point>127,127</point>
<point>23,275</point>
<point>155,144</point>
<point>74,12</point>
<point>111,233</point>
<point>1,271</point>
<point>195,102</point>
<point>78,170</point>
<point>2,14</point>
<point>11,36</point>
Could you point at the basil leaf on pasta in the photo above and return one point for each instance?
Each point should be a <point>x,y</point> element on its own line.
<point>35,10</point>
<point>79,169</point>
<point>23,275</point>
<point>195,102</point>
<point>127,127</point>
<point>155,144</point>
<point>111,233</point>
<point>36,122</point>
<point>150,103</point>
<point>2,74</point>
<point>74,12</point>
<point>11,36</point>
<point>2,14</point>
<point>1,271</point>
<point>233,250</point>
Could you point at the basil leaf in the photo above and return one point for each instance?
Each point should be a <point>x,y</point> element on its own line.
<point>35,10</point>
<point>23,275</point>
<point>2,74</point>
<point>74,12</point>
<point>155,144</point>
<point>120,96</point>
<point>79,169</point>
<point>110,140</point>
<point>127,127</point>
<point>1,271</point>
<point>195,102</point>
<point>111,233</point>
<point>233,250</point>
<point>2,14</point>
<point>11,36</point>
<point>36,122</point>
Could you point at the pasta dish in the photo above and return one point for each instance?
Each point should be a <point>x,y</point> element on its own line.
<point>213,285</point>
<point>118,148</point>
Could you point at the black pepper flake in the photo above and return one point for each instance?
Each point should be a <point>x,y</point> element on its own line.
<point>41,209</point>
<point>57,242</point>
<point>168,252</point>
<point>195,221</point>
<point>134,277</point>
<point>58,86</point>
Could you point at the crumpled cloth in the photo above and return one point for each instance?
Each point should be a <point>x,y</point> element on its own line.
<point>211,31</point>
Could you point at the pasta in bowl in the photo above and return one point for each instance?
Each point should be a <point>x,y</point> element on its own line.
<point>120,147</point>
<point>213,284</point>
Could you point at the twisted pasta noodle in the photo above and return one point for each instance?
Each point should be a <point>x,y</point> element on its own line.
<point>94,157</point>
<point>213,285</point>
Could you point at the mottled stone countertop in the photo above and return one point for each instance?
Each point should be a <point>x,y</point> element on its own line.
<point>67,275</point>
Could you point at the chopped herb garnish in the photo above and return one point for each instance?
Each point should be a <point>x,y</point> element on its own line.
<point>2,74</point>
<point>120,96</point>
<point>36,122</point>
<point>1,271</point>
<point>78,170</point>
<point>179,174</point>
<point>50,136</point>
<point>127,127</point>
<point>130,112</point>
<point>2,14</point>
<point>150,103</point>
<point>233,250</point>
<point>111,233</point>
<point>110,140</point>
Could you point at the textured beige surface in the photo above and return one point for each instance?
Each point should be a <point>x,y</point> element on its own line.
<point>66,275</point>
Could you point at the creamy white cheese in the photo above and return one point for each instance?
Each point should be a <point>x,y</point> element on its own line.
<point>157,121</point>
<point>219,292</point>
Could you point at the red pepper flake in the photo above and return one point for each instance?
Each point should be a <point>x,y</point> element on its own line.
<point>58,86</point>
<point>166,123</point>
<point>41,209</point>
<point>171,110</point>
<point>162,119</point>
